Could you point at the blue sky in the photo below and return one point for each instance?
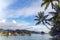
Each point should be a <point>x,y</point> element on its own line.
<point>21,12</point>
<point>21,4</point>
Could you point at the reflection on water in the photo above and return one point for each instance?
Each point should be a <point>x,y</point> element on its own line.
<point>27,37</point>
<point>54,38</point>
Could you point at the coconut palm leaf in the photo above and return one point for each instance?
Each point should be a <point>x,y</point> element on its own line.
<point>36,16</point>
<point>41,18</point>
<point>46,16</point>
<point>36,19</point>
<point>47,2</point>
<point>38,22</point>
<point>46,25</point>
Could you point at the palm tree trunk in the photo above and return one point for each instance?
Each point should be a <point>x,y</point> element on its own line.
<point>47,27</point>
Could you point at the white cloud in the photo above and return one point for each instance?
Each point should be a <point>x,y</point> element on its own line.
<point>3,5</point>
<point>13,24</point>
<point>23,25</point>
<point>14,21</point>
<point>25,12</point>
<point>39,28</point>
<point>33,9</point>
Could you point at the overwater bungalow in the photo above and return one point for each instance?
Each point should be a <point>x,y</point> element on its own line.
<point>29,33</point>
<point>9,33</point>
<point>15,33</point>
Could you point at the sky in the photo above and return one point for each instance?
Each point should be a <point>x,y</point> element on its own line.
<point>20,14</point>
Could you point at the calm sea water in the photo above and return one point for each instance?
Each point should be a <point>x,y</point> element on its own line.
<point>27,37</point>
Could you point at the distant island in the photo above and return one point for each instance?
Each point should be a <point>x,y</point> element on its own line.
<point>17,31</point>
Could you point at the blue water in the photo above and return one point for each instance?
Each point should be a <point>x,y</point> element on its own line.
<point>27,37</point>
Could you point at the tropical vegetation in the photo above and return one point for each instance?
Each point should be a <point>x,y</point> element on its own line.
<point>54,21</point>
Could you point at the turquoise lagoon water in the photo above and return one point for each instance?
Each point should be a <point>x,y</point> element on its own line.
<point>27,37</point>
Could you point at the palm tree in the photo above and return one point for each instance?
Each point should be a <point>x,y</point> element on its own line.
<point>47,2</point>
<point>56,15</point>
<point>55,30</point>
<point>41,18</point>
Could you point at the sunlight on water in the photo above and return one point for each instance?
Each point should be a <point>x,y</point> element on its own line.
<point>26,37</point>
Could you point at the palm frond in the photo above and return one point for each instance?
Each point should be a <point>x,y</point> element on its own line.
<point>41,18</point>
<point>46,16</point>
<point>38,22</point>
<point>43,3</point>
<point>36,19</point>
<point>52,13</point>
<point>46,25</point>
<point>52,4</point>
<point>36,16</point>
<point>40,14</point>
<point>47,4</point>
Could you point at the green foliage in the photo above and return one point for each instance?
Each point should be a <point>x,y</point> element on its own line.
<point>55,19</point>
<point>48,2</point>
<point>41,18</point>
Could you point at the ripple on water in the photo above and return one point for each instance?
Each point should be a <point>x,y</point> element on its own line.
<point>26,37</point>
